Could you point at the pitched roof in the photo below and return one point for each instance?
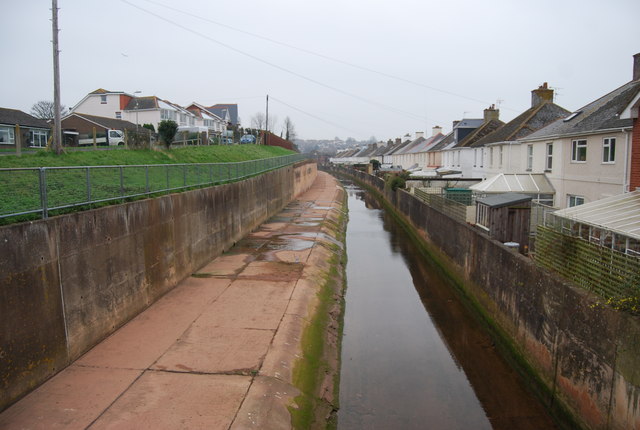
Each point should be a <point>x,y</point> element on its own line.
<point>444,142</point>
<point>602,114</point>
<point>412,144</point>
<point>14,116</point>
<point>535,183</point>
<point>480,132</point>
<point>116,124</point>
<point>426,144</point>
<point>232,108</point>
<point>524,124</point>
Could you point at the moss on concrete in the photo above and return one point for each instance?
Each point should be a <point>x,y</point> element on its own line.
<point>314,408</point>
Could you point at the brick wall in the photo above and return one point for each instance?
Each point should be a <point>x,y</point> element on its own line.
<point>634,175</point>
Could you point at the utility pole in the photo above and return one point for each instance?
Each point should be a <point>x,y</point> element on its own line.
<point>266,125</point>
<point>57,124</point>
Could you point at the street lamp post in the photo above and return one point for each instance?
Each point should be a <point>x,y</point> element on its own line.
<point>134,94</point>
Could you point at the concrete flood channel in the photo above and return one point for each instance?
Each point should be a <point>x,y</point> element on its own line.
<point>413,356</point>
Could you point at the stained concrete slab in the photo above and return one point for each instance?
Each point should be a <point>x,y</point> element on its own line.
<point>217,351</point>
<point>141,341</point>
<point>72,399</point>
<point>204,349</point>
<point>163,400</point>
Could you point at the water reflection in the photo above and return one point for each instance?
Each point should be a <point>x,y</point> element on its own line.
<point>412,356</point>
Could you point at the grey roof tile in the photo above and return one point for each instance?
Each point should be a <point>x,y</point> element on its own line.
<point>14,116</point>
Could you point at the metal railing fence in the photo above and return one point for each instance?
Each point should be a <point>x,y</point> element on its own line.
<point>40,190</point>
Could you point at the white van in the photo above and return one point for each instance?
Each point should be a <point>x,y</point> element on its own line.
<point>112,138</point>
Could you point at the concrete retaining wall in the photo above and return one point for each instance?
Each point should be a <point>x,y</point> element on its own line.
<point>585,354</point>
<point>68,282</point>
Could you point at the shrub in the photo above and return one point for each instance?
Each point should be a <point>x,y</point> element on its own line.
<point>167,130</point>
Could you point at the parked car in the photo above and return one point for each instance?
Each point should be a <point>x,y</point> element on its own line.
<point>248,138</point>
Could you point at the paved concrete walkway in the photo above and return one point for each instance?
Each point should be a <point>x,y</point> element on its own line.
<point>216,352</point>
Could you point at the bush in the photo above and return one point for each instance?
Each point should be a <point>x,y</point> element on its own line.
<point>167,130</point>
<point>149,127</point>
<point>396,180</point>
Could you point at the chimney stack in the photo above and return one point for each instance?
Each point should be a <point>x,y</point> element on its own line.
<point>419,134</point>
<point>455,123</point>
<point>636,67</point>
<point>398,140</point>
<point>543,94</point>
<point>491,113</point>
<point>435,130</point>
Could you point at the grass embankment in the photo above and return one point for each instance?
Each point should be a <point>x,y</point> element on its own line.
<point>117,157</point>
<point>20,190</point>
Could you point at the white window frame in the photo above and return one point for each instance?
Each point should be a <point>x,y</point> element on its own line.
<point>482,218</point>
<point>103,99</point>
<point>491,157</point>
<point>576,146</point>
<point>118,115</point>
<point>609,150</point>
<point>501,155</point>
<point>529,158</point>
<point>548,163</point>
<point>574,200</point>
<point>11,135</point>
<point>38,138</point>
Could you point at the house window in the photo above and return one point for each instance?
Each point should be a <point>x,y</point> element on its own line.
<point>609,150</point>
<point>491,157</point>
<point>529,158</point>
<point>38,138</point>
<point>475,157</point>
<point>103,99</point>
<point>118,115</point>
<point>482,157</point>
<point>579,151</point>
<point>7,136</point>
<point>501,156</point>
<point>549,161</point>
<point>574,200</point>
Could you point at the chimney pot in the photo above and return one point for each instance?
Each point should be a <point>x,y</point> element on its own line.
<point>543,94</point>
<point>491,113</point>
<point>419,134</point>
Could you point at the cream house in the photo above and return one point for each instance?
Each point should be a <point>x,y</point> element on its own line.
<point>586,154</point>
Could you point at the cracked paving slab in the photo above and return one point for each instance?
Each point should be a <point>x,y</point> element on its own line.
<point>216,352</point>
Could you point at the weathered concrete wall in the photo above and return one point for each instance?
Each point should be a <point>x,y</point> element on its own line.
<point>68,282</point>
<point>587,355</point>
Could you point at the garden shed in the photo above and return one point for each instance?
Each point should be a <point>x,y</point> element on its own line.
<point>506,217</point>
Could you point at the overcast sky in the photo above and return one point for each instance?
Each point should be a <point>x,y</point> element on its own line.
<point>361,68</point>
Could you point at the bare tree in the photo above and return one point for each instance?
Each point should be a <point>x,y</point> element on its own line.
<point>258,121</point>
<point>45,109</point>
<point>289,129</point>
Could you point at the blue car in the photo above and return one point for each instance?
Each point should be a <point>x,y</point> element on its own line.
<point>248,138</point>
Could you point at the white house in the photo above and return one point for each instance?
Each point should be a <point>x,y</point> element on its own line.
<point>586,155</point>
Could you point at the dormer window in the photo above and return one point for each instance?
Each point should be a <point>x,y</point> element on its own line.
<point>103,99</point>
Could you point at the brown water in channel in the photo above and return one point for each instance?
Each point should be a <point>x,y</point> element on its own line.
<point>413,357</point>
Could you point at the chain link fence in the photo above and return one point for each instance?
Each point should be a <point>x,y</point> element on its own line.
<point>41,190</point>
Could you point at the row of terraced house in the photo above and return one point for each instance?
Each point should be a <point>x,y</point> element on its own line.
<point>561,158</point>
